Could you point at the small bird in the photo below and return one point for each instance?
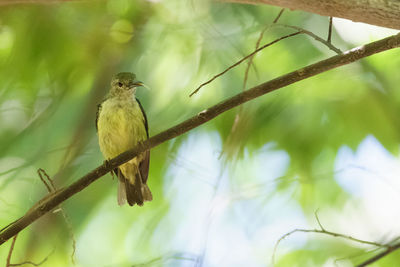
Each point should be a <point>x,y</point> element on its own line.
<point>121,124</point>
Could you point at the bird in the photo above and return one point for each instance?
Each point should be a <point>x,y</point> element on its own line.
<point>121,124</point>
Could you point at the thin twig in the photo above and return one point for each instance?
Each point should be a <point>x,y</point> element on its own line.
<point>8,262</point>
<point>52,188</point>
<point>174,256</point>
<point>71,234</point>
<point>319,223</point>
<point>42,172</point>
<point>330,31</point>
<point>243,59</point>
<point>299,30</point>
<point>51,201</point>
<point>200,259</point>
<point>246,74</point>
<point>323,231</point>
<point>31,262</point>
<point>238,115</point>
<point>326,233</point>
<point>313,35</point>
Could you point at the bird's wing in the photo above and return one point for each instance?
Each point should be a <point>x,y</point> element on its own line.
<point>97,115</point>
<point>145,118</point>
<point>144,164</point>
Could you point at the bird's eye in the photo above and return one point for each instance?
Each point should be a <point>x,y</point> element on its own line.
<point>120,84</point>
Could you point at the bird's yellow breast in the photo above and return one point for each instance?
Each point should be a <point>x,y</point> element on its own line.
<point>121,125</point>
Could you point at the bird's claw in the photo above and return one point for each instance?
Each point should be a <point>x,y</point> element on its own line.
<point>107,164</point>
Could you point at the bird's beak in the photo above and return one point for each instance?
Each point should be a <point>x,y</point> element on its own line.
<point>137,83</point>
<point>141,84</point>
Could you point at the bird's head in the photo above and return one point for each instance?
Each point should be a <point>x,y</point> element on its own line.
<point>124,83</point>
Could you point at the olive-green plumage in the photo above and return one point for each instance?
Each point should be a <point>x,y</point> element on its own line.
<point>121,124</point>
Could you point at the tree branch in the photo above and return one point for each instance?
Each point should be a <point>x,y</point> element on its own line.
<point>380,255</point>
<point>51,201</point>
<point>46,2</point>
<point>326,232</point>
<point>385,13</point>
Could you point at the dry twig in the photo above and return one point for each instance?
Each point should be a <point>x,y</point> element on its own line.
<point>313,35</point>
<point>329,39</point>
<point>31,262</point>
<point>163,259</point>
<point>243,59</point>
<point>323,231</point>
<point>52,188</point>
<point>246,74</point>
<point>251,55</point>
<point>8,262</point>
<point>238,116</point>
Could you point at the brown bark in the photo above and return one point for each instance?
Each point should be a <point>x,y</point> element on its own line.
<point>385,13</point>
<point>45,2</point>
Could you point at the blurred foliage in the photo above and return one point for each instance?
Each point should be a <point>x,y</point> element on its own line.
<point>56,61</point>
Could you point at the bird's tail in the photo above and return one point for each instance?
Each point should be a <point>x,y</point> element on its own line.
<point>131,187</point>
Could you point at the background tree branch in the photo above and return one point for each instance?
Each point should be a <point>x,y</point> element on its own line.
<point>19,2</point>
<point>322,230</point>
<point>51,201</point>
<point>384,13</point>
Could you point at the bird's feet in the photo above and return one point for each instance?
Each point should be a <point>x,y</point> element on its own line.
<point>107,164</point>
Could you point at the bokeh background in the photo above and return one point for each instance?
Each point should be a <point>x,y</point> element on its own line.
<point>225,192</point>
